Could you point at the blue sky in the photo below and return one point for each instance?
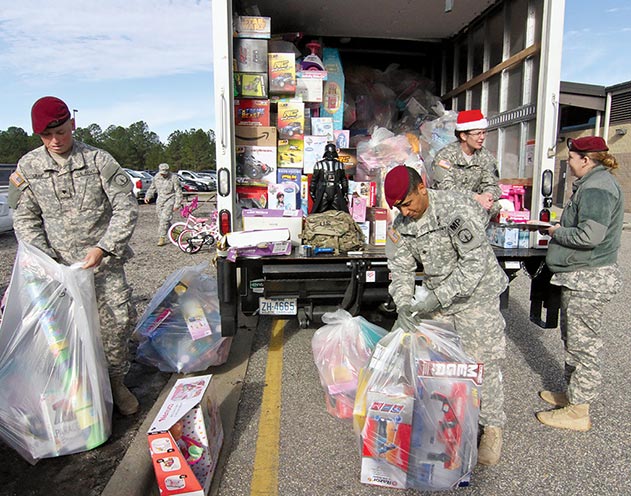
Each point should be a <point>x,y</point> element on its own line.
<point>122,61</point>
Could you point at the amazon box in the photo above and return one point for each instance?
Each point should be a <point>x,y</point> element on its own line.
<point>256,154</point>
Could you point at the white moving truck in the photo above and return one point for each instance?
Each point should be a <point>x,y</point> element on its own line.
<point>502,56</point>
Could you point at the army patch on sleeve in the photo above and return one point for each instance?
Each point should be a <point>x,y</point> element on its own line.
<point>16,179</point>
<point>121,179</point>
<point>456,224</point>
<point>443,164</point>
<point>394,235</point>
<point>465,235</point>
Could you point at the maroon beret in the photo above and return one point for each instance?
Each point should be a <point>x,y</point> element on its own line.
<point>587,144</point>
<point>48,111</point>
<point>396,185</point>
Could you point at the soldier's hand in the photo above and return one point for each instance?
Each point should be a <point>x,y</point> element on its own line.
<point>146,200</point>
<point>425,306</point>
<point>93,258</point>
<point>405,320</point>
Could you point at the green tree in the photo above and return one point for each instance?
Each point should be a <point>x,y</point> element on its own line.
<point>15,142</point>
<point>193,149</point>
<point>91,135</point>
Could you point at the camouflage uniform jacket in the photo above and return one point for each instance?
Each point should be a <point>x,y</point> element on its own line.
<point>451,171</point>
<point>64,211</point>
<point>591,224</point>
<point>449,240</point>
<point>167,188</point>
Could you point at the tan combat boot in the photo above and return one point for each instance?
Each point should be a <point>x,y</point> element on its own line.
<point>162,241</point>
<point>490,448</point>
<point>553,398</point>
<point>124,399</point>
<point>574,417</point>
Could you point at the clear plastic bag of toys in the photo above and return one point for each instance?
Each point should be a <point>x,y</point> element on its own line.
<point>416,410</point>
<point>180,331</point>
<point>55,395</point>
<point>340,349</point>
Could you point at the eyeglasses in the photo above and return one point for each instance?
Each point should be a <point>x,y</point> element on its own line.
<point>476,134</point>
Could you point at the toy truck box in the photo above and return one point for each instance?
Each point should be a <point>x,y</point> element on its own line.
<point>185,438</point>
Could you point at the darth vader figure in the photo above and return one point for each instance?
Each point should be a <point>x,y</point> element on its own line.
<point>329,184</point>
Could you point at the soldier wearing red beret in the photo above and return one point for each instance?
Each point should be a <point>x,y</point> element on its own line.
<point>75,203</point>
<point>582,255</point>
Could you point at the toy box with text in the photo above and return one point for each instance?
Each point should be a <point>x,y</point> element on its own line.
<point>250,85</point>
<point>309,90</point>
<point>258,243</point>
<point>386,439</point>
<point>251,112</point>
<point>357,208</point>
<point>250,55</point>
<point>378,218</point>
<point>256,154</point>
<point>322,126</point>
<point>282,73</point>
<point>259,218</point>
<point>291,175</point>
<point>283,196</point>
<point>291,119</point>
<point>342,138</point>
<point>333,92</point>
<point>186,437</point>
<point>348,156</point>
<point>291,153</point>
<point>252,196</point>
<point>507,237</point>
<point>253,27</point>
<point>314,150</point>
<point>364,189</point>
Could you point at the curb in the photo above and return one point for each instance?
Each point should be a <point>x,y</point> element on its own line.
<point>134,474</point>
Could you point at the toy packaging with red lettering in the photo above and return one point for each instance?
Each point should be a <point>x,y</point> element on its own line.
<point>416,410</point>
<point>186,437</point>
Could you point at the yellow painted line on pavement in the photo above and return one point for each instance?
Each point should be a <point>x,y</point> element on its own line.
<point>265,475</point>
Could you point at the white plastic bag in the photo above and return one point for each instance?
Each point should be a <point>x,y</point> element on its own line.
<point>180,331</point>
<point>416,410</point>
<point>340,349</point>
<point>55,395</point>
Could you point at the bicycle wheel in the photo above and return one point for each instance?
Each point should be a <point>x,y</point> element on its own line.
<point>175,230</point>
<point>190,241</point>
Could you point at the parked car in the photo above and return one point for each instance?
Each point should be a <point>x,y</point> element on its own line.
<point>6,214</point>
<point>140,183</point>
<point>199,177</point>
<point>190,186</point>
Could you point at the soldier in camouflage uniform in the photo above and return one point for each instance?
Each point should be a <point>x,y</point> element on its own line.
<point>169,191</point>
<point>467,166</point>
<point>445,232</point>
<point>75,203</point>
<point>583,256</point>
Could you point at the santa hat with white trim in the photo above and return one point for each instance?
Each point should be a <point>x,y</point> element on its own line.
<point>471,119</point>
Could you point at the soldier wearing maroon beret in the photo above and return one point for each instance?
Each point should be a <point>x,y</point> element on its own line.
<point>444,231</point>
<point>75,203</point>
<point>582,255</point>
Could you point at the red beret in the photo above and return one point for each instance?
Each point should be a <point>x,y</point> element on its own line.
<point>48,111</point>
<point>587,144</point>
<point>396,185</point>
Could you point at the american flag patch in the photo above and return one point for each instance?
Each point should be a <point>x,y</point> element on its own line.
<point>444,164</point>
<point>17,179</point>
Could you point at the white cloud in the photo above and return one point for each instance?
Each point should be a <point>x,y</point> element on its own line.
<point>114,39</point>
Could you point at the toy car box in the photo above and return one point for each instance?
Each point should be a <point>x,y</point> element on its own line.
<point>291,119</point>
<point>256,154</point>
<point>250,55</point>
<point>250,85</point>
<point>291,153</point>
<point>251,112</point>
<point>282,73</point>
<point>186,465</point>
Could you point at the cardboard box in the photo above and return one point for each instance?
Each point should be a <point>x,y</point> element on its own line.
<point>291,119</point>
<point>348,156</point>
<point>504,237</point>
<point>259,218</point>
<point>364,189</point>
<point>322,126</point>
<point>333,93</point>
<point>309,90</point>
<point>283,196</point>
<point>256,154</point>
<point>290,153</point>
<point>282,73</point>
<point>378,218</point>
<point>250,55</point>
<point>192,406</point>
<point>342,138</point>
<point>253,27</point>
<point>250,85</point>
<point>248,112</point>
<point>357,208</point>
<point>313,151</point>
<point>252,196</point>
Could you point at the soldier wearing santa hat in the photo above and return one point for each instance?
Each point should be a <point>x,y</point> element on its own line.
<point>466,165</point>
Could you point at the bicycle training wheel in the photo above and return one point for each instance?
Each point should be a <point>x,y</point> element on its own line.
<point>174,232</point>
<point>190,241</point>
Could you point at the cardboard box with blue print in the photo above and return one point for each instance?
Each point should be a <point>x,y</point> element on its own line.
<point>186,437</point>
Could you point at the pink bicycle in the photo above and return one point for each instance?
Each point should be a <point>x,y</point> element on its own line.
<point>193,239</point>
<point>191,222</point>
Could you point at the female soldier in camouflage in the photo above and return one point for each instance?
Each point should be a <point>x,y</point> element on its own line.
<point>582,256</point>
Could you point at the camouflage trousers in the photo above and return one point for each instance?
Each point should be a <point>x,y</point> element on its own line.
<point>581,321</point>
<point>481,329</point>
<point>165,216</point>
<point>116,313</point>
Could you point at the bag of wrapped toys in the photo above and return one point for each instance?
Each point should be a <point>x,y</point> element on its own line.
<point>180,331</point>
<point>340,349</point>
<point>55,396</point>
<point>416,411</point>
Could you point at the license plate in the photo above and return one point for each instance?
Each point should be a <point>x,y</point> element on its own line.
<point>278,306</point>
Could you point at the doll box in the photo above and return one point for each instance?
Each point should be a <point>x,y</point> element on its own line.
<point>186,465</point>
